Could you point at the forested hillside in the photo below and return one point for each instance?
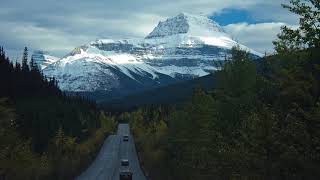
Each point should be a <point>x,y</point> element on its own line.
<point>43,133</point>
<point>252,125</point>
<point>176,93</point>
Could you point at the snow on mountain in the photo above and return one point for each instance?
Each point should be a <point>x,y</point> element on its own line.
<point>184,23</point>
<point>43,59</point>
<point>190,29</point>
<point>180,48</point>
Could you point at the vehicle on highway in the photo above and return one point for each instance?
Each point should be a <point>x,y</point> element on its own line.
<point>125,138</point>
<point>125,175</point>
<point>124,162</point>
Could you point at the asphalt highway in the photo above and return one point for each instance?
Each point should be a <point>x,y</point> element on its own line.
<point>107,164</point>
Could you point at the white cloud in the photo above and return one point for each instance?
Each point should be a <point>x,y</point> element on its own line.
<point>256,36</point>
<point>60,26</point>
<point>35,37</point>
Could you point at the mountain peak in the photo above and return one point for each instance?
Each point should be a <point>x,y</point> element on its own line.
<point>186,23</point>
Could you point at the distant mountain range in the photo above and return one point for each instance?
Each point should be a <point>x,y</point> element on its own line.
<point>181,48</point>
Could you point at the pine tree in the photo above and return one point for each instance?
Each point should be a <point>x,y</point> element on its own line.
<point>25,66</point>
<point>17,67</point>
<point>33,65</point>
<point>308,34</point>
<point>1,51</point>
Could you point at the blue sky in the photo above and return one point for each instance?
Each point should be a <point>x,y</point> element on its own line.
<point>232,16</point>
<point>60,26</point>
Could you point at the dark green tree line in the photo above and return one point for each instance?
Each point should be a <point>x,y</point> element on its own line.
<point>258,123</point>
<point>45,134</point>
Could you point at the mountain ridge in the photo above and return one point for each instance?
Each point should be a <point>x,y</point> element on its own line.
<point>181,48</point>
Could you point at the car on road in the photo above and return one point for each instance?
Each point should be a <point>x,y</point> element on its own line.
<point>125,138</point>
<point>124,162</point>
<point>125,175</point>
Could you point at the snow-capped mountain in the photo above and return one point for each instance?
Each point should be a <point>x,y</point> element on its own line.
<point>43,59</point>
<point>180,48</point>
<point>187,24</point>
